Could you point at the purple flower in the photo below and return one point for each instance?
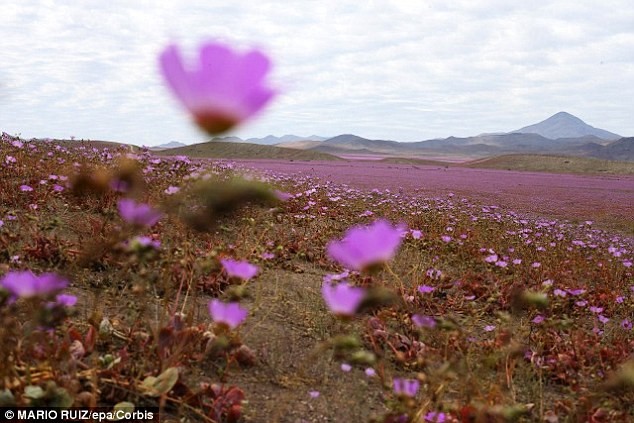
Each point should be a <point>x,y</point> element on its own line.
<point>364,246</point>
<point>222,89</point>
<point>239,269</point>
<point>313,394</point>
<point>230,314</point>
<point>435,417</point>
<point>559,293</point>
<point>138,214</point>
<point>25,188</point>
<point>26,284</point>
<point>424,321</point>
<point>626,324</point>
<point>345,367</point>
<point>370,372</point>
<point>416,234</point>
<point>171,190</point>
<point>66,300</point>
<point>492,258</point>
<point>596,310</point>
<point>538,319</point>
<point>426,289</point>
<point>406,387</point>
<point>145,241</point>
<point>489,328</point>
<point>342,299</point>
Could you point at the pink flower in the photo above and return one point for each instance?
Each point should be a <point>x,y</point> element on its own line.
<point>230,314</point>
<point>222,89</point>
<point>406,387</point>
<point>171,190</point>
<point>424,321</point>
<point>138,214</point>
<point>26,284</point>
<point>342,299</point>
<point>426,289</point>
<point>239,269</point>
<point>492,258</point>
<point>345,367</point>
<point>365,246</point>
<point>538,319</point>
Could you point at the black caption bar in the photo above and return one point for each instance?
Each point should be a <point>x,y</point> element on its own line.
<point>97,414</point>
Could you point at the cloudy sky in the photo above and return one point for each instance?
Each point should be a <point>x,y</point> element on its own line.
<point>404,70</point>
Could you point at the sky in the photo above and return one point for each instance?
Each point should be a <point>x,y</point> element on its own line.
<point>405,70</point>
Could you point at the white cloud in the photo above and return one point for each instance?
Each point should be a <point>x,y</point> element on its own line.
<point>406,70</point>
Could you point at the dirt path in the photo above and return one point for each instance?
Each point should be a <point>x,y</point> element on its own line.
<point>287,321</point>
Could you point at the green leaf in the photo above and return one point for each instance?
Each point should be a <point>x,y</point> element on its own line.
<point>155,386</point>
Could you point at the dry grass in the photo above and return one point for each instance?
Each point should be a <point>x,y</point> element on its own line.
<point>228,150</point>
<point>555,164</point>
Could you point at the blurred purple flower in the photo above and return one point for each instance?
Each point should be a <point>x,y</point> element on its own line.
<point>424,321</point>
<point>626,324</point>
<point>426,289</point>
<point>171,190</point>
<point>364,246</point>
<point>342,299</point>
<point>145,241</point>
<point>596,310</point>
<point>406,387</point>
<point>118,185</point>
<point>370,372</point>
<point>63,300</point>
<point>416,234</point>
<point>25,188</point>
<point>492,258</point>
<point>239,269</point>
<point>26,285</point>
<point>538,319</point>
<point>345,367</point>
<point>313,394</point>
<point>222,89</point>
<point>435,417</point>
<point>230,314</point>
<point>138,213</point>
<point>489,328</point>
<point>66,300</point>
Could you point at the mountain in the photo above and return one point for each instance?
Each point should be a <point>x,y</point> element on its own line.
<point>622,149</point>
<point>227,139</point>
<point>272,139</point>
<point>171,144</point>
<point>565,125</point>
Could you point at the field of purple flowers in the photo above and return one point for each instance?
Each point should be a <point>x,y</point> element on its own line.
<point>223,294</point>
<point>219,293</point>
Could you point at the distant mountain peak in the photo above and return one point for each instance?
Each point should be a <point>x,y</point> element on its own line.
<point>566,125</point>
